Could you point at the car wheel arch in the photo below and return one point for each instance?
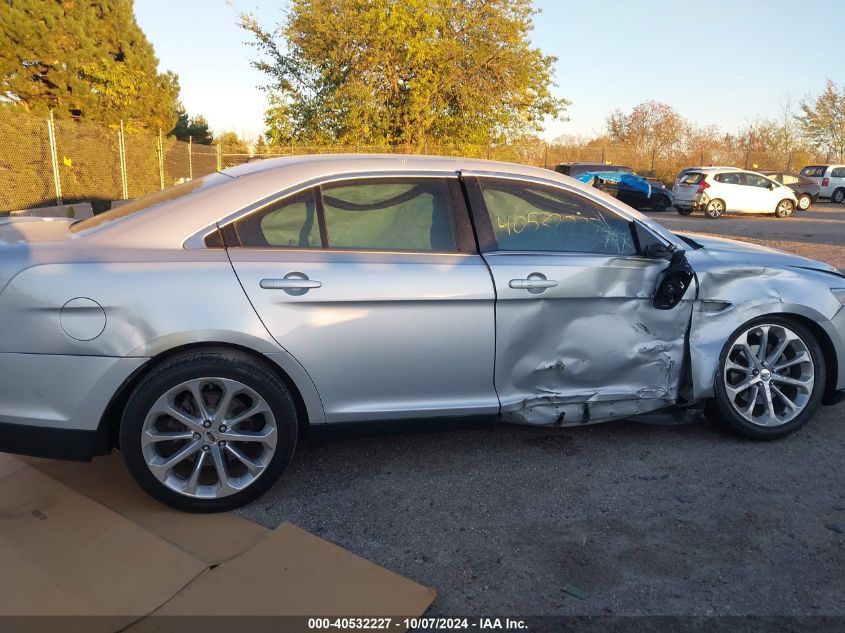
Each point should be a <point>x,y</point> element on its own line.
<point>108,429</point>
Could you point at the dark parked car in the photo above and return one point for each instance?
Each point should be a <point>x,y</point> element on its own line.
<point>660,197</point>
<point>806,189</point>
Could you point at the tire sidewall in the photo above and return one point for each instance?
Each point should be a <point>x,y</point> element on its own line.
<point>232,365</point>
<point>721,401</point>
<point>782,214</point>
<point>713,213</point>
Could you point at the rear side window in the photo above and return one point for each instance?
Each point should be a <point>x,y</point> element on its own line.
<point>287,223</point>
<point>401,214</point>
<point>814,171</point>
<point>692,178</point>
<point>528,217</point>
<point>728,179</point>
<point>839,172</point>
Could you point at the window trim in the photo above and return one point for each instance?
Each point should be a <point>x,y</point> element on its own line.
<point>487,237</point>
<point>460,212</point>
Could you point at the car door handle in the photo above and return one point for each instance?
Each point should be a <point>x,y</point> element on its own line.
<point>536,282</point>
<point>290,284</point>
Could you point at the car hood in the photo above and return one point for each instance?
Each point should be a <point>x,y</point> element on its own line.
<point>751,254</point>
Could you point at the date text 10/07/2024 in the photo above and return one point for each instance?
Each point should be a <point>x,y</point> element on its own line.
<point>418,624</point>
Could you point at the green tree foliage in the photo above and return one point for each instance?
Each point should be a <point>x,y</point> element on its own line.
<point>83,59</point>
<point>823,120</point>
<point>195,128</point>
<point>231,143</point>
<point>404,72</point>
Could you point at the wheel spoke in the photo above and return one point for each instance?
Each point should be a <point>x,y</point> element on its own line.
<point>161,469</point>
<point>264,436</point>
<point>735,390</point>
<point>752,402</point>
<point>805,384</point>
<point>749,354</point>
<point>770,406</point>
<point>229,392</point>
<point>764,343</point>
<point>253,466</point>
<point>220,467</point>
<point>196,392</point>
<point>782,397</point>
<point>259,407</point>
<point>153,437</point>
<point>803,357</point>
<point>193,481</point>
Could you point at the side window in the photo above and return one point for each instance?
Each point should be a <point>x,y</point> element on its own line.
<point>754,180</point>
<point>287,223</point>
<point>839,172</point>
<point>729,178</point>
<point>528,217</point>
<point>813,171</point>
<point>788,179</point>
<point>394,214</point>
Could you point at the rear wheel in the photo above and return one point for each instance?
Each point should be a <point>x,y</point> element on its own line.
<point>660,203</point>
<point>770,380</point>
<point>208,431</point>
<point>784,208</point>
<point>838,196</point>
<point>804,201</point>
<point>715,208</point>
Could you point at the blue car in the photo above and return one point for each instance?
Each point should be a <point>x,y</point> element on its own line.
<point>622,183</point>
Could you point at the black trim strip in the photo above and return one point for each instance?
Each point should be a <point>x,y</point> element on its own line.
<point>39,441</point>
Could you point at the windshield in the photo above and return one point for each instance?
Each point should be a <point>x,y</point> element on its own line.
<point>149,201</point>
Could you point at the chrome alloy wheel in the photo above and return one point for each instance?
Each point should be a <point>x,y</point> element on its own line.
<point>769,375</point>
<point>209,437</point>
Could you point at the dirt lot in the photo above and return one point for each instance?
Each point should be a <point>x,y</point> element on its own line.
<point>621,518</point>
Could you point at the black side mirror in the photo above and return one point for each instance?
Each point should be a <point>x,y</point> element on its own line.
<point>675,281</point>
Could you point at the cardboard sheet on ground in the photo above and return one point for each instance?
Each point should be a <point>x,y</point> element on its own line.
<point>79,539</point>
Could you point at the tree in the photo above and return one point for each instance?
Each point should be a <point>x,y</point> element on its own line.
<point>404,72</point>
<point>195,128</point>
<point>231,143</point>
<point>652,127</point>
<point>88,60</point>
<point>823,120</point>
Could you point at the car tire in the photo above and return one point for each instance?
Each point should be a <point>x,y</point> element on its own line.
<point>804,201</point>
<point>746,412</point>
<point>838,196</point>
<point>785,208</point>
<point>178,458</point>
<point>683,210</point>
<point>660,203</point>
<point>715,208</point>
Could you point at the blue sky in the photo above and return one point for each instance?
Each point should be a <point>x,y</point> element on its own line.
<point>722,62</point>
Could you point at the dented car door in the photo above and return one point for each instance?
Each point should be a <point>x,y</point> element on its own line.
<point>577,336</point>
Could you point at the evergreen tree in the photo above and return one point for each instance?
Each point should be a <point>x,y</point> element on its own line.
<point>195,128</point>
<point>83,59</point>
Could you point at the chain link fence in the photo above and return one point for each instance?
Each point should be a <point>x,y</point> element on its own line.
<point>45,162</point>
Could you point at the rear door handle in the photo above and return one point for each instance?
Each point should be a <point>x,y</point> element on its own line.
<point>295,284</point>
<point>535,283</point>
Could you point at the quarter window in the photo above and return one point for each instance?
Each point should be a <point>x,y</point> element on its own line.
<point>527,217</point>
<point>287,223</point>
<point>397,214</point>
<point>839,172</point>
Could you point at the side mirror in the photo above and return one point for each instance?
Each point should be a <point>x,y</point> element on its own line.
<point>649,245</point>
<point>772,186</point>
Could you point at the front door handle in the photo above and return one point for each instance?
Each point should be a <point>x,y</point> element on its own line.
<point>535,283</point>
<point>293,283</point>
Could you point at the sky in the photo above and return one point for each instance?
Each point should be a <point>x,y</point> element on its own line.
<point>722,62</point>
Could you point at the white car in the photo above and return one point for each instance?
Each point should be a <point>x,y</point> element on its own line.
<point>720,189</point>
<point>831,179</point>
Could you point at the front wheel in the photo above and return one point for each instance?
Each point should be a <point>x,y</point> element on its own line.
<point>784,208</point>
<point>770,380</point>
<point>715,208</point>
<point>804,201</point>
<point>208,431</point>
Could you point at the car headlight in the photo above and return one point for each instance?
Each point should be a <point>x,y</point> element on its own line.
<point>839,293</point>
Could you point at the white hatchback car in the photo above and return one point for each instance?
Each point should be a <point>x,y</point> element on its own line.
<point>720,189</point>
<point>831,179</point>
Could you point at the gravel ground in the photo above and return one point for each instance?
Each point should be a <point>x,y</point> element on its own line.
<point>620,518</point>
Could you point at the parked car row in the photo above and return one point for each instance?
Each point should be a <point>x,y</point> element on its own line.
<point>716,189</point>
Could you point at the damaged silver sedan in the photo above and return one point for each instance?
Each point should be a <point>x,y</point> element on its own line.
<point>203,329</point>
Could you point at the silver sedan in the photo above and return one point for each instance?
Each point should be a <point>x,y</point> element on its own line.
<point>203,330</point>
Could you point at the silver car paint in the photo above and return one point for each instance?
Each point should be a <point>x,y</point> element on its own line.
<point>158,294</point>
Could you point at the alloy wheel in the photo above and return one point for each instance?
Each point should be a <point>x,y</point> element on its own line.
<point>769,375</point>
<point>209,438</point>
<point>784,208</point>
<point>804,202</point>
<point>715,208</point>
